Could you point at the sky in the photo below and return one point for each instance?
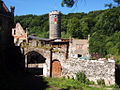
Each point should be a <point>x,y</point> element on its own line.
<point>39,7</point>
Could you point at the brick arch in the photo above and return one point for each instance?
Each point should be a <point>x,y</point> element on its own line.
<point>56,68</point>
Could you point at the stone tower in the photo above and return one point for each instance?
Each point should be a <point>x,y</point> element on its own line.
<point>54,25</point>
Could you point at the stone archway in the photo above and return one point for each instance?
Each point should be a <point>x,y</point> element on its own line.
<point>35,62</point>
<point>56,68</point>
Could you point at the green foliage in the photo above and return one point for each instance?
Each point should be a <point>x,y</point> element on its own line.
<point>81,77</point>
<point>73,28</point>
<point>108,22</point>
<point>106,36</point>
<point>68,3</point>
<point>117,1</point>
<point>109,5</point>
<point>101,82</point>
<point>69,84</point>
<point>97,44</point>
<point>36,25</point>
<point>115,87</point>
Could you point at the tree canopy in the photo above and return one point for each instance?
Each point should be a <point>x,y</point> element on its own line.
<point>70,3</point>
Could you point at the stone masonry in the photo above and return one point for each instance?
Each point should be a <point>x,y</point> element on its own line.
<point>62,58</point>
<point>93,69</point>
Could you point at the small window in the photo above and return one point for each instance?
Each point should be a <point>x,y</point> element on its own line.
<point>79,55</point>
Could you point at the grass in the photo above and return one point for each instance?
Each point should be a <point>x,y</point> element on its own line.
<point>69,84</point>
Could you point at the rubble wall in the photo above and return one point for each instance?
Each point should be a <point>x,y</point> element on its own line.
<point>94,70</point>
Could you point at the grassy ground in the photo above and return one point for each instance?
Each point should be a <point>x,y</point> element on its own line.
<point>69,84</point>
<point>31,82</point>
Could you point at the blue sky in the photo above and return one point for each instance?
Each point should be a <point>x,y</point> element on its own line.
<point>39,7</point>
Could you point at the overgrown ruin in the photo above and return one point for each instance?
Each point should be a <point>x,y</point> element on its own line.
<point>54,57</point>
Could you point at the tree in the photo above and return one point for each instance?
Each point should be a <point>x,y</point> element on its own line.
<point>73,28</point>
<point>109,5</point>
<point>113,44</point>
<point>86,24</point>
<point>97,43</point>
<point>68,3</point>
<point>117,1</point>
<point>108,22</point>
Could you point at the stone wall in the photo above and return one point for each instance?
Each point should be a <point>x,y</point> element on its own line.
<point>94,70</point>
<point>46,54</point>
<point>79,46</point>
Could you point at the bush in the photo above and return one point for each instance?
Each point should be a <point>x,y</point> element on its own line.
<point>115,87</point>
<point>82,78</point>
<point>101,82</point>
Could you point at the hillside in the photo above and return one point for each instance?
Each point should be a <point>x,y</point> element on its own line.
<point>103,26</point>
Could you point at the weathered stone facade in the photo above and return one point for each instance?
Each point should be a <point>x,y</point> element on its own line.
<point>79,47</point>
<point>47,55</point>
<point>94,70</point>
<point>19,34</point>
<point>54,25</point>
<point>59,56</point>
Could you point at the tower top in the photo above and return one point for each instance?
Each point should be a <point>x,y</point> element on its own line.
<point>54,12</point>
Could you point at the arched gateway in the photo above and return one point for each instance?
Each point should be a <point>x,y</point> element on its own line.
<point>35,62</point>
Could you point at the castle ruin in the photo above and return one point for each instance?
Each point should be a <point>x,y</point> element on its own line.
<point>56,57</point>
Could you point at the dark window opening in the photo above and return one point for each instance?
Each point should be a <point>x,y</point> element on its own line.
<point>34,57</point>
<point>0,22</point>
<point>14,32</point>
<point>36,71</point>
<point>79,55</point>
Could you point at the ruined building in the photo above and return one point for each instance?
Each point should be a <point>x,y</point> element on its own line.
<point>19,34</point>
<point>6,24</point>
<point>56,57</point>
<point>6,40</point>
<point>8,55</point>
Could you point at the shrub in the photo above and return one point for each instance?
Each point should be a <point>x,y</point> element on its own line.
<point>82,78</point>
<point>115,87</point>
<point>101,82</point>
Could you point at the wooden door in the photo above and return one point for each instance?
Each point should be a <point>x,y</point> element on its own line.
<point>56,68</point>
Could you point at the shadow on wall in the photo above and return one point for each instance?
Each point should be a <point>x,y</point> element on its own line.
<point>117,74</point>
<point>14,77</point>
<point>15,60</point>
